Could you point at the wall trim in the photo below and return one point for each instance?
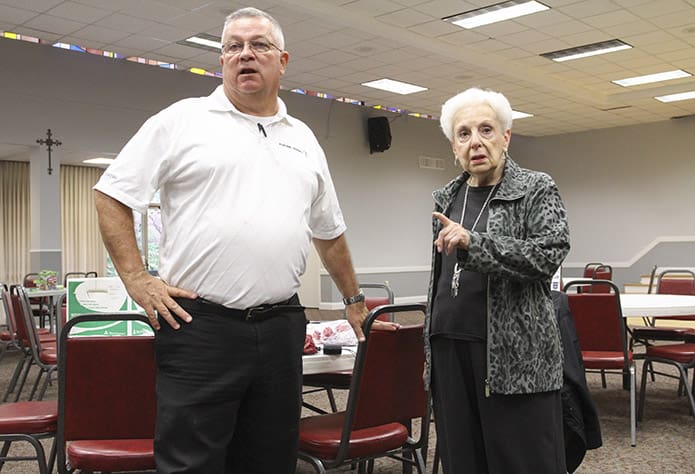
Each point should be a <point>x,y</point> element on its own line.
<point>371,270</point>
<point>645,250</point>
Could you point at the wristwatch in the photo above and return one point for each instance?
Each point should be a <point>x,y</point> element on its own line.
<point>353,299</point>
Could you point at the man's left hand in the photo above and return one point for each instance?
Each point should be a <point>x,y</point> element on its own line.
<point>356,315</point>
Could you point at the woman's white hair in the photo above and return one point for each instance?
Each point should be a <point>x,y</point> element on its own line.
<point>278,37</point>
<point>470,97</point>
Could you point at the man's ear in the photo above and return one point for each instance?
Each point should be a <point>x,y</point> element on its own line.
<point>284,59</point>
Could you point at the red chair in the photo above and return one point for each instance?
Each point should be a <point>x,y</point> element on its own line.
<point>667,282</point>
<point>681,356</point>
<point>29,422</point>
<point>602,335</point>
<point>386,393</point>
<point>106,399</point>
<point>340,380</point>
<point>40,348</point>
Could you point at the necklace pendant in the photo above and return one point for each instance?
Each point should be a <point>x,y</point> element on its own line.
<point>455,280</point>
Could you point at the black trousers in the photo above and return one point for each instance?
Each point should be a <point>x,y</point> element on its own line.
<point>229,392</point>
<point>500,434</point>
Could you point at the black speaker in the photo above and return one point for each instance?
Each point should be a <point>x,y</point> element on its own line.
<point>379,134</point>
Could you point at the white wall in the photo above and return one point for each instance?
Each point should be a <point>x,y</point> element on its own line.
<point>623,187</point>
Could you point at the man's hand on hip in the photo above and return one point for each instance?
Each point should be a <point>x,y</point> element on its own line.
<point>156,298</point>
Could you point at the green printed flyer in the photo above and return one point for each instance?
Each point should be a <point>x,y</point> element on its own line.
<point>103,295</point>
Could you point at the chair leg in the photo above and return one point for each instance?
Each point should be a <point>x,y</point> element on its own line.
<point>23,380</point>
<point>3,453</point>
<point>12,385</point>
<point>331,400</point>
<point>643,389</point>
<point>684,379</point>
<point>633,424</point>
<point>603,378</point>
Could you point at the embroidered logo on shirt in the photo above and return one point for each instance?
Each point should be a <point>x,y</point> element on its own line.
<point>292,148</point>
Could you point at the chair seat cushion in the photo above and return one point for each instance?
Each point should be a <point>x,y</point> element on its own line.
<point>683,353</point>
<point>112,454</point>
<point>604,359</point>
<point>32,417</point>
<point>662,333</point>
<point>338,379</point>
<point>320,437</point>
<point>49,355</point>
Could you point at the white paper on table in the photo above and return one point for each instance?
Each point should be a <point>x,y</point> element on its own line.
<point>337,332</point>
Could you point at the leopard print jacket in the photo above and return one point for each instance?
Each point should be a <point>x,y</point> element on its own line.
<point>527,238</point>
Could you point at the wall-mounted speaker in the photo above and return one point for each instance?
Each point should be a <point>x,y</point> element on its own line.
<point>379,134</point>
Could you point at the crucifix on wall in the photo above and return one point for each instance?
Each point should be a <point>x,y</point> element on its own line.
<point>49,142</point>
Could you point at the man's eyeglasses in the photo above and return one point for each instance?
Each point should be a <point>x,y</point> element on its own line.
<point>259,46</point>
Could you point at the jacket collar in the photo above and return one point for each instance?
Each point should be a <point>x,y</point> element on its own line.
<point>511,187</point>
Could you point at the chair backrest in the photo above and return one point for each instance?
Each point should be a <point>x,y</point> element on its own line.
<point>589,269</point>
<point>73,275</point>
<point>381,392</point>
<point>28,280</point>
<point>602,272</point>
<point>676,282</point>
<point>24,320</point>
<point>106,384</point>
<point>598,318</point>
<point>372,301</point>
<point>10,317</point>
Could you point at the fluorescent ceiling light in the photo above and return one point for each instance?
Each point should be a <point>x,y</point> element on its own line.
<point>676,97</point>
<point>587,50</point>
<point>99,161</point>
<point>520,115</point>
<point>394,86</point>
<point>203,41</point>
<point>649,78</point>
<point>494,13</point>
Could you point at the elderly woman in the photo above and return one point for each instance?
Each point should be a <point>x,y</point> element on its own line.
<point>493,344</point>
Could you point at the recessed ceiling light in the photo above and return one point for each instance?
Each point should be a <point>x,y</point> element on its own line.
<point>99,161</point>
<point>676,97</point>
<point>520,115</point>
<point>203,41</point>
<point>649,78</point>
<point>394,86</point>
<point>494,13</point>
<point>587,50</point>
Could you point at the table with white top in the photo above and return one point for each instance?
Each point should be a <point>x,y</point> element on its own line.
<point>320,362</point>
<point>656,305</point>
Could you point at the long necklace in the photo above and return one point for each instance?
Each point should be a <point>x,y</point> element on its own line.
<point>455,280</point>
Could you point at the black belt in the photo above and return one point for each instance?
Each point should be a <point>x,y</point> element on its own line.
<point>254,313</point>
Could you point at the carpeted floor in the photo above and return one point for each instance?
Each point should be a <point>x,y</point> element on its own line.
<point>665,438</point>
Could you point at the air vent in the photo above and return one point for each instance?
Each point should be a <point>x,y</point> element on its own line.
<point>427,162</point>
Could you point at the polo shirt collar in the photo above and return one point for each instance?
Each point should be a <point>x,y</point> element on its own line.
<point>219,102</point>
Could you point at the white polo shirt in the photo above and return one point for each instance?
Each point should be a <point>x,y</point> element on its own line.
<point>239,204</point>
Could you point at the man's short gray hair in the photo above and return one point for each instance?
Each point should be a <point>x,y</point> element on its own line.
<point>470,97</point>
<point>249,12</point>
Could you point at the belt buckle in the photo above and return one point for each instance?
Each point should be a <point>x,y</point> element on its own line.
<point>254,309</point>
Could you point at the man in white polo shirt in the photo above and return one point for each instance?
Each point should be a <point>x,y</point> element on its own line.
<point>244,189</point>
